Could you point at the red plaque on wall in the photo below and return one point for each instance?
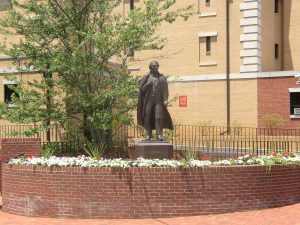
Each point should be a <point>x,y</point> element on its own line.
<point>182,101</point>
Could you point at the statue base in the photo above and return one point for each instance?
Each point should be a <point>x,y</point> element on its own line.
<point>154,149</point>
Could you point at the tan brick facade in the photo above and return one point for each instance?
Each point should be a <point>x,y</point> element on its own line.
<point>255,28</point>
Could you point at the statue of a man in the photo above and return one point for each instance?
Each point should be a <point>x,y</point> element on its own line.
<point>152,110</point>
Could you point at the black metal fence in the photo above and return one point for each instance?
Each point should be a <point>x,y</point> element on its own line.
<point>213,142</point>
<point>217,142</point>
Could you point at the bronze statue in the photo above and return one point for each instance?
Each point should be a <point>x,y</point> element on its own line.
<point>152,110</point>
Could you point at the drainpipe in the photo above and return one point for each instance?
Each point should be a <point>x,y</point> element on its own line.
<point>228,66</point>
<point>282,34</point>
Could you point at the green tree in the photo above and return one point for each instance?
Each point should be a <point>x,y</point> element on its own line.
<point>72,44</point>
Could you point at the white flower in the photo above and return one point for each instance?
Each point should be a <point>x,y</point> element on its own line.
<point>239,162</point>
<point>198,163</point>
<point>250,161</point>
<point>83,161</point>
<point>222,163</point>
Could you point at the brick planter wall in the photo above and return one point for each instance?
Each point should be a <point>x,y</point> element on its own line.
<point>11,147</point>
<point>145,192</point>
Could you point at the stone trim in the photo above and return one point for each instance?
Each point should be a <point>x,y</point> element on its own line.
<point>251,37</point>
<point>294,89</point>
<point>9,82</point>
<point>209,14</point>
<point>208,34</point>
<point>234,76</point>
<point>212,63</point>
<point>6,70</point>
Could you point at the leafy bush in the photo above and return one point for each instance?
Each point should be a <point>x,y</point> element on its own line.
<point>48,150</point>
<point>93,150</point>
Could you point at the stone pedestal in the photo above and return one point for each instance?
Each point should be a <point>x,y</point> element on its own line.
<point>154,150</point>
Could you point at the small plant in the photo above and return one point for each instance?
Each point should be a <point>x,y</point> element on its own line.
<point>190,154</point>
<point>93,150</point>
<point>274,120</point>
<point>237,127</point>
<point>48,150</point>
<point>205,130</point>
<point>141,132</point>
<point>168,135</point>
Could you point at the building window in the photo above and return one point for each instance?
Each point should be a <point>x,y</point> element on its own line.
<point>276,51</point>
<point>208,45</point>
<point>207,2</point>
<point>295,103</point>
<point>276,7</point>
<point>131,4</point>
<point>8,93</point>
<point>5,5</point>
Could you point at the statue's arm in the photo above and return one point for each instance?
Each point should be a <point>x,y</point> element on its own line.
<point>144,84</point>
<point>165,90</point>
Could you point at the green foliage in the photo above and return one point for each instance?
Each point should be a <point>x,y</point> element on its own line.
<point>95,151</point>
<point>81,49</point>
<point>48,150</point>
<point>168,135</point>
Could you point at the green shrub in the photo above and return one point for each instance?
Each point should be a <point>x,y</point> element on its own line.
<point>190,154</point>
<point>95,151</point>
<point>48,150</point>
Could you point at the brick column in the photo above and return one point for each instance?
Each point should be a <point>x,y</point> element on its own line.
<point>12,147</point>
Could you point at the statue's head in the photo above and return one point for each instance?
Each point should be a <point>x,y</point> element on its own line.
<point>154,66</point>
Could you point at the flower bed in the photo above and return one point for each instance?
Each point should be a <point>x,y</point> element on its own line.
<point>87,188</point>
<point>75,192</point>
<point>82,161</point>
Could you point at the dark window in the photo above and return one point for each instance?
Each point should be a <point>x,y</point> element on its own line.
<point>8,92</point>
<point>276,49</point>
<point>295,102</point>
<point>276,8</point>
<point>208,44</point>
<point>131,4</point>
<point>207,2</point>
<point>5,4</point>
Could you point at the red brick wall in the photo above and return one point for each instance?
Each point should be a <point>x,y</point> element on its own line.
<point>274,97</point>
<point>0,177</point>
<point>145,192</point>
<point>11,147</point>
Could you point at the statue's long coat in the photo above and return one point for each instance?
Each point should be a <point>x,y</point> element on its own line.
<point>143,99</point>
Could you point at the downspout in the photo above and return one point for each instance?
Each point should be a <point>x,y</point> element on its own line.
<point>228,66</point>
<point>282,34</point>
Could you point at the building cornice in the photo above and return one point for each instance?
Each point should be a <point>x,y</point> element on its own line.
<point>187,78</point>
<point>12,70</point>
<point>234,76</point>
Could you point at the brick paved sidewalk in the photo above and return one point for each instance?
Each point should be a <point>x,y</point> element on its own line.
<point>288,215</point>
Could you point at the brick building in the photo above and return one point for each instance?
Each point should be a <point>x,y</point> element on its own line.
<point>234,62</point>
<point>264,60</point>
